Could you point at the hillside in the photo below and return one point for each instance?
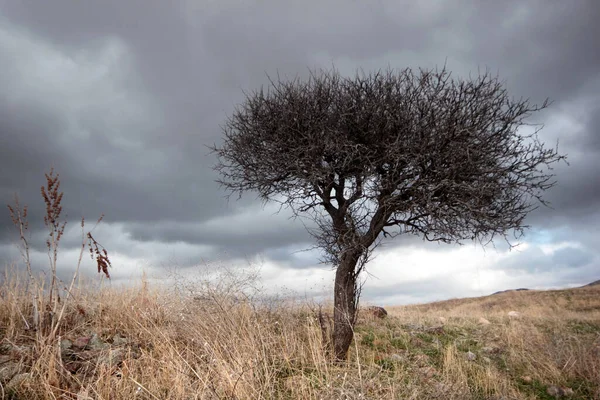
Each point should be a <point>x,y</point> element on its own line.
<point>159,343</point>
<point>534,301</point>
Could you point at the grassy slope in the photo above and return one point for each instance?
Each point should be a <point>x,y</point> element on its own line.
<point>180,348</point>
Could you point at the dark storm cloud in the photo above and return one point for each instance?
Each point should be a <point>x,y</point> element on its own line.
<point>575,201</point>
<point>138,89</point>
<point>240,234</point>
<point>574,264</point>
<point>98,139</point>
<point>547,49</point>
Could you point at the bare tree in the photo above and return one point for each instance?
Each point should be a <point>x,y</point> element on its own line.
<point>385,154</point>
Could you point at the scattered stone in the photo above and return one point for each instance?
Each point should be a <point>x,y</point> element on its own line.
<point>81,342</point>
<point>470,356</point>
<point>483,321</point>
<point>490,349</point>
<point>96,344</point>
<point>414,327</point>
<point>65,344</point>
<point>119,340</point>
<point>442,320</point>
<point>113,358</point>
<point>397,358</point>
<point>377,312</point>
<point>18,352</point>
<point>559,392</point>
<point>4,359</point>
<point>526,379</point>
<point>567,391</point>
<point>8,371</point>
<point>17,381</point>
<point>514,314</point>
<point>487,360</point>
<point>438,330</point>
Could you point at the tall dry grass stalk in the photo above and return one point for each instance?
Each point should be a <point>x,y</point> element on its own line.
<point>18,216</point>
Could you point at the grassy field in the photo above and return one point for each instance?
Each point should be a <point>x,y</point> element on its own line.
<point>159,343</point>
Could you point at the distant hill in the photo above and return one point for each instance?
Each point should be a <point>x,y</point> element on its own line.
<point>509,290</point>
<point>579,299</point>
<point>595,283</point>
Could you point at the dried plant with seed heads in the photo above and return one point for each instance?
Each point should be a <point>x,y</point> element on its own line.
<point>52,199</point>
<point>102,260</point>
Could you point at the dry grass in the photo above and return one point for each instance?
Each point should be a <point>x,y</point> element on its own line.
<point>555,340</point>
<point>213,347</point>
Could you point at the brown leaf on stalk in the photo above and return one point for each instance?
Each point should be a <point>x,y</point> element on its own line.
<point>102,260</point>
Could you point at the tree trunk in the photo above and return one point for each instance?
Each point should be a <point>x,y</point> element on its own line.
<point>345,303</point>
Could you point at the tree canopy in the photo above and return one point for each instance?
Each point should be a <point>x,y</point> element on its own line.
<point>390,153</point>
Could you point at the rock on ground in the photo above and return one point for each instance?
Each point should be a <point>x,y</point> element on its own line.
<point>377,312</point>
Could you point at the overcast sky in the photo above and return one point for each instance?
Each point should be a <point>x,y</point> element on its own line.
<point>122,97</point>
